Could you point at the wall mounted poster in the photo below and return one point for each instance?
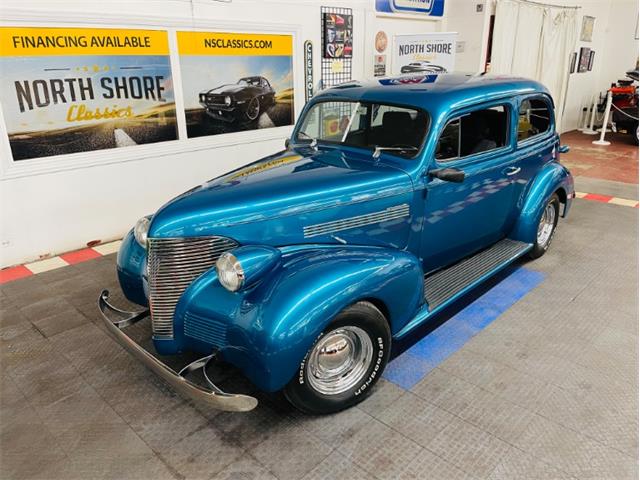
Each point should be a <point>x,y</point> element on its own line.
<point>338,35</point>
<point>425,53</point>
<point>235,81</point>
<point>583,63</point>
<point>68,90</point>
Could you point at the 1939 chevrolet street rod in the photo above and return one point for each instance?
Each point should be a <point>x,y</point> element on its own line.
<point>392,200</point>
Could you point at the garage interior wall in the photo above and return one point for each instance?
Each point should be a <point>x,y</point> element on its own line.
<point>57,204</point>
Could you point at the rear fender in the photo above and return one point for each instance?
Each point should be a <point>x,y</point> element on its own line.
<point>551,178</point>
<point>271,326</point>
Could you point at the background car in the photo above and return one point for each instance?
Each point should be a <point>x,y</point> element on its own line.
<point>241,101</point>
<point>422,67</point>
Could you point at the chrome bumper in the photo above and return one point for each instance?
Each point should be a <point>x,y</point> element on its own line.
<point>213,396</point>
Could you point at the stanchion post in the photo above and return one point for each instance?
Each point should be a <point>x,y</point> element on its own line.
<point>603,130</point>
<point>589,130</point>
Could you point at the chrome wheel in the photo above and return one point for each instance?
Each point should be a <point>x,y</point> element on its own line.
<point>253,109</point>
<point>547,224</point>
<point>340,360</point>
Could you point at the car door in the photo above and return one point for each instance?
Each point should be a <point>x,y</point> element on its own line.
<point>536,139</point>
<point>462,218</point>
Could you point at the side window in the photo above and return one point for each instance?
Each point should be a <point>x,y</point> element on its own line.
<point>534,118</point>
<point>475,132</point>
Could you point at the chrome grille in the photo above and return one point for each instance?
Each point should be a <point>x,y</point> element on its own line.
<point>173,264</point>
<point>205,329</point>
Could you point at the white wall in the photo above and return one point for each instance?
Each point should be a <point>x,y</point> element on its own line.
<point>57,204</point>
<point>472,26</point>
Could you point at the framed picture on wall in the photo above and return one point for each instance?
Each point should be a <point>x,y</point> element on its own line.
<point>583,64</point>
<point>592,54</point>
<point>572,67</point>
<point>586,33</point>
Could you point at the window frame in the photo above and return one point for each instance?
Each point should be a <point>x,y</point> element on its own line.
<point>418,154</point>
<point>552,119</point>
<point>472,157</point>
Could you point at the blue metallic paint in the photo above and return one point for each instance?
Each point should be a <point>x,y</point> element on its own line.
<point>271,324</point>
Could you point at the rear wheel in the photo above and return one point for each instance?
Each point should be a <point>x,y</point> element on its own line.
<point>345,362</point>
<point>546,227</point>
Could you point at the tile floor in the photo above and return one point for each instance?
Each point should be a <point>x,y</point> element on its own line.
<point>546,391</point>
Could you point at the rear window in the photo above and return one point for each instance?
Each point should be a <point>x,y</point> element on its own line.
<point>476,132</point>
<point>534,118</point>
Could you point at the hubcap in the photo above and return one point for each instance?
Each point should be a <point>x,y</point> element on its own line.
<point>547,222</point>
<point>339,360</point>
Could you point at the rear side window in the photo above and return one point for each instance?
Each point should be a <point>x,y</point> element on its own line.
<point>476,132</point>
<point>534,118</point>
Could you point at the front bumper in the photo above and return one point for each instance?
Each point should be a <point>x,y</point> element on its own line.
<point>213,396</point>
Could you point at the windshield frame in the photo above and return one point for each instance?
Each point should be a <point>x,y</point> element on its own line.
<point>296,141</point>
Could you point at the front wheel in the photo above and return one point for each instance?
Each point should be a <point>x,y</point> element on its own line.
<point>546,227</point>
<point>253,109</point>
<point>345,362</point>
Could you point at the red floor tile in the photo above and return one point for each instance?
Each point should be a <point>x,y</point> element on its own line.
<point>14,273</point>
<point>80,256</point>
<point>598,198</point>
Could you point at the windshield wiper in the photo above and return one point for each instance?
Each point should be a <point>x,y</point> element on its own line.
<point>408,148</point>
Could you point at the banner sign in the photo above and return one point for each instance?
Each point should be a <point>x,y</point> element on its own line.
<point>425,53</point>
<point>235,81</point>
<point>432,8</point>
<point>68,90</point>
<point>308,70</point>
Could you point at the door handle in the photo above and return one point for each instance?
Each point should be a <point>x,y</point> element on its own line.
<point>512,170</point>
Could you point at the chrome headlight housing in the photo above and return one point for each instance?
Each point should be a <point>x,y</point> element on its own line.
<point>141,230</point>
<point>245,266</point>
<point>230,272</point>
<point>227,100</point>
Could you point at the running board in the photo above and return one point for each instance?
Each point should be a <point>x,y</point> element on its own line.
<point>448,283</point>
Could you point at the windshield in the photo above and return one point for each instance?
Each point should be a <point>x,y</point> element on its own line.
<point>249,81</point>
<point>399,130</point>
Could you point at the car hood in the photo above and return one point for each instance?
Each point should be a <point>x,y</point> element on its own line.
<point>276,197</point>
<point>227,89</point>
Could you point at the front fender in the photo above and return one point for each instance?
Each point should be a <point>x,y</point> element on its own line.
<point>551,178</point>
<point>270,327</point>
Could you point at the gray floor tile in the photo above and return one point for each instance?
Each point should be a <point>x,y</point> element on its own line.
<point>522,466</point>
<point>246,467</point>
<point>469,448</point>
<point>336,466</point>
<point>380,450</point>
<point>202,454</point>
<point>574,453</point>
<point>290,454</point>
<point>415,418</point>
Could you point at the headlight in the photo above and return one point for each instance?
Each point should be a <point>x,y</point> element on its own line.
<point>140,231</point>
<point>230,272</point>
<point>227,100</point>
<point>245,266</point>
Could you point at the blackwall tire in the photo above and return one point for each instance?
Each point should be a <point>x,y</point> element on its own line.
<point>360,332</point>
<point>548,221</point>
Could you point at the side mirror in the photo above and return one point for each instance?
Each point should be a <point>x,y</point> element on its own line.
<point>286,143</point>
<point>448,174</point>
<point>563,149</point>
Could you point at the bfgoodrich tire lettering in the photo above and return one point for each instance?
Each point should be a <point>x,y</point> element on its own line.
<point>313,395</point>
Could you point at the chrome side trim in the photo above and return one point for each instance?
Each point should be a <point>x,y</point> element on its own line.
<point>213,396</point>
<point>173,264</point>
<point>391,213</point>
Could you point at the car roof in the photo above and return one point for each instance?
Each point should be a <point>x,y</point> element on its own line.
<point>436,93</point>
<point>255,77</point>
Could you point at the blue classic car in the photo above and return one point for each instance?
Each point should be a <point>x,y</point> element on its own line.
<point>392,200</point>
